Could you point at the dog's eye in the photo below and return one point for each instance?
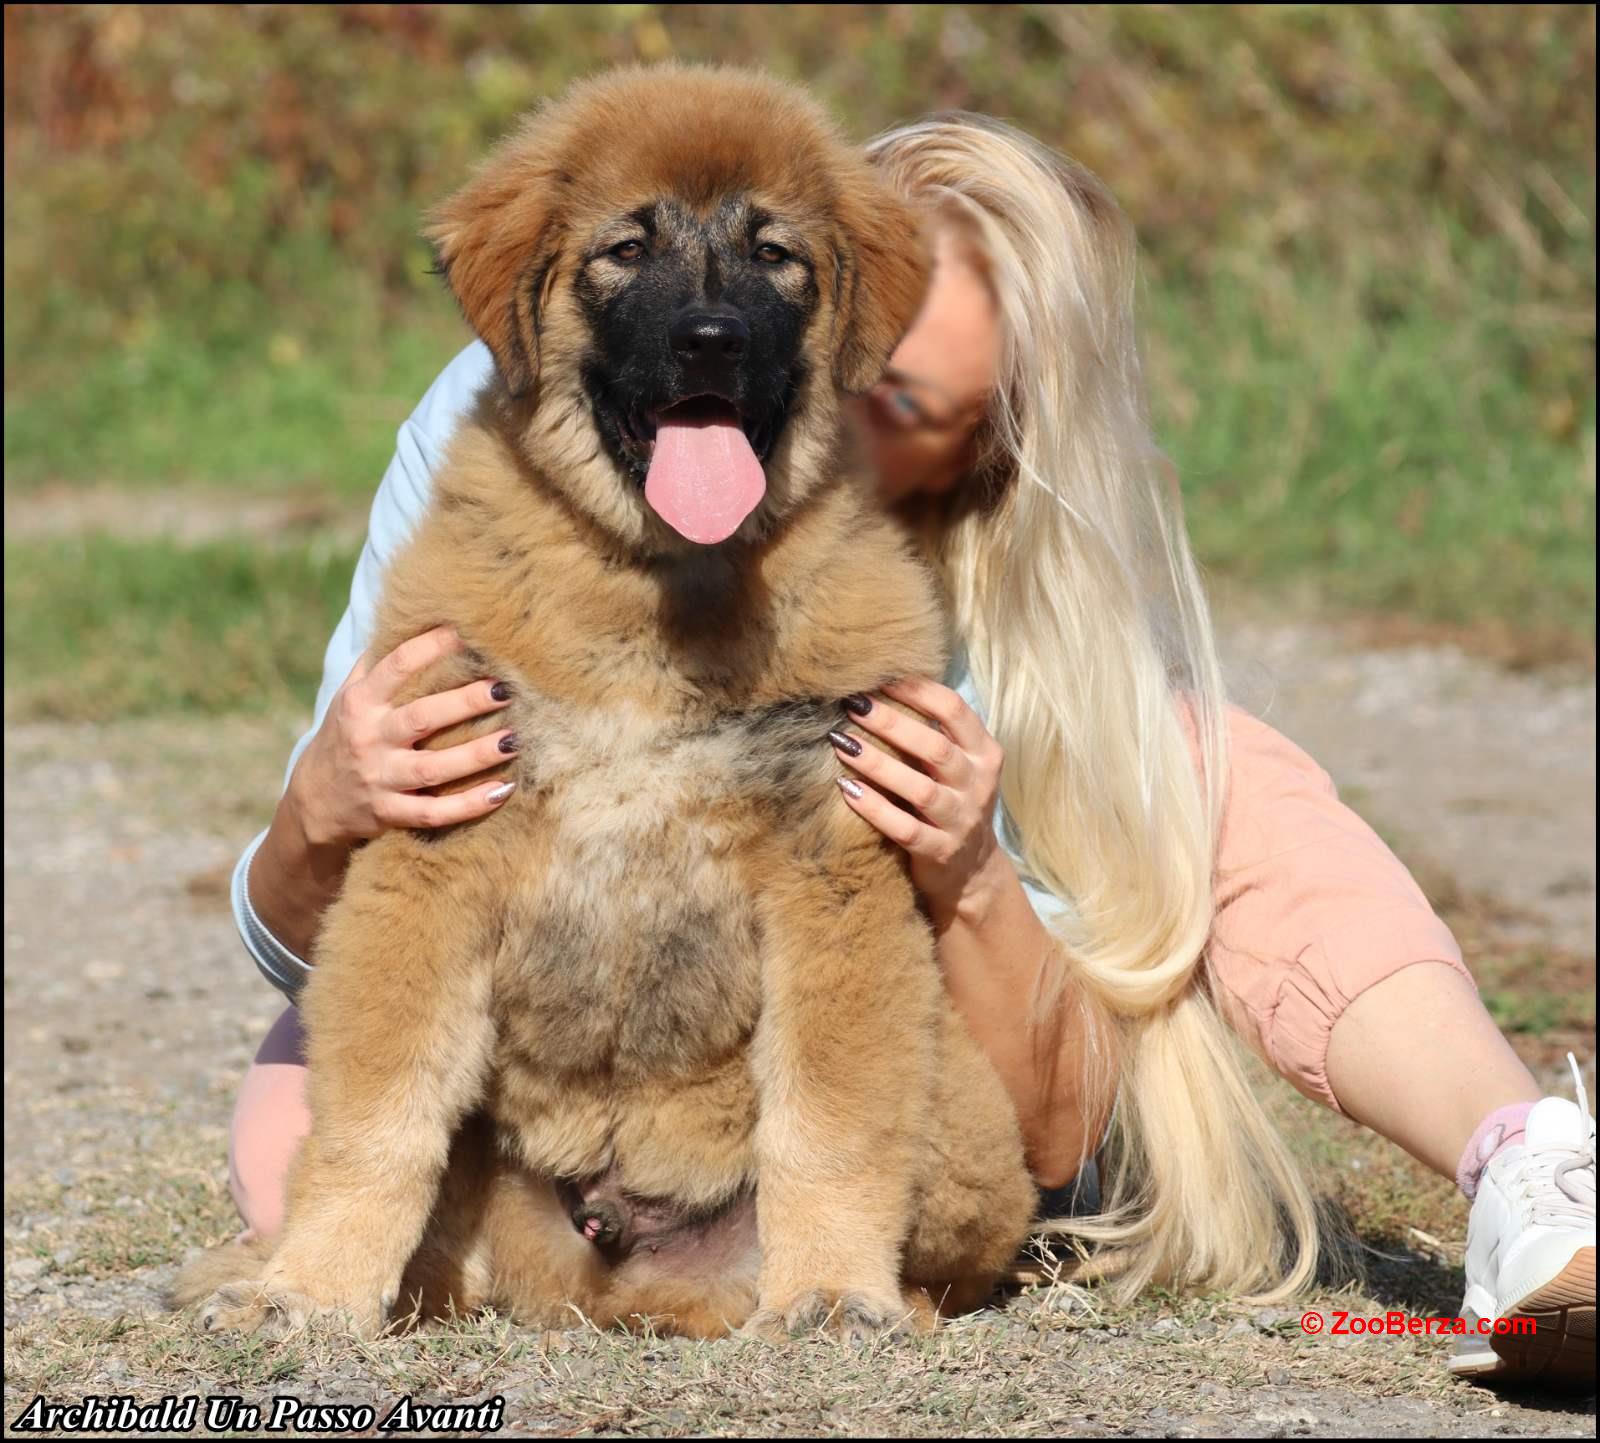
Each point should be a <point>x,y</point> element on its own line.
<point>628,250</point>
<point>771,254</point>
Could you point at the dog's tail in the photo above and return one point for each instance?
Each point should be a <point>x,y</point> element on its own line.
<point>216,1268</point>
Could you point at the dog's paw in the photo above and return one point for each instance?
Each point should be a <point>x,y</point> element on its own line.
<point>853,1317</point>
<point>278,1313</point>
<point>249,1307</point>
<point>209,1271</point>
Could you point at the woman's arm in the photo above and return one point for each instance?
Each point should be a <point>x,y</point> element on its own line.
<point>995,953</point>
<point>999,959</point>
<point>342,776</point>
<point>359,777</point>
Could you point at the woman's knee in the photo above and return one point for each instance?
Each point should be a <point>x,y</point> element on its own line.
<point>270,1119</point>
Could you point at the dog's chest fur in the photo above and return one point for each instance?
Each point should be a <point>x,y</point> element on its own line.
<point>672,762</point>
<point>631,944</point>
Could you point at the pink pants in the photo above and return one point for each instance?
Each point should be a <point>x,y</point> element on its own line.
<point>1312,909</point>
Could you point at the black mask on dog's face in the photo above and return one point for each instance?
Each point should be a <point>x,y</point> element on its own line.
<point>697,321</point>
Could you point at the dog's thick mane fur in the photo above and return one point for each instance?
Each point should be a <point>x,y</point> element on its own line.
<point>673,980</point>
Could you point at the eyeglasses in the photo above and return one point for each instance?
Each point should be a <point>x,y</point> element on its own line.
<point>895,398</point>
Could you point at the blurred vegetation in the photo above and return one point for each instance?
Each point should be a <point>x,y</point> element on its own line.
<point>98,627</point>
<point>1368,239</point>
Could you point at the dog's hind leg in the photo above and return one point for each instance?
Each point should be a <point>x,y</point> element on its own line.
<point>543,1271</point>
<point>697,1280</point>
<point>216,1268</point>
<point>450,1274</point>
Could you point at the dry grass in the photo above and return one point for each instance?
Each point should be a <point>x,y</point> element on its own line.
<point>1053,1359</point>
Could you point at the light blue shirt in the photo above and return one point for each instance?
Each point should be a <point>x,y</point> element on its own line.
<point>398,507</point>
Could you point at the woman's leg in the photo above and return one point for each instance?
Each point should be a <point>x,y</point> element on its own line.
<point>1332,965</point>
<point>1417,1058</point>
<point>1328,959</point>
<point>270,1119</point>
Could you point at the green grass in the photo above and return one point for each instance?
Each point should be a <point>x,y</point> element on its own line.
<point>99,628</point>
<point>1410,462</point>
<point>277,403</point>
<point>1368,231</point>
<point>1534,1013</point>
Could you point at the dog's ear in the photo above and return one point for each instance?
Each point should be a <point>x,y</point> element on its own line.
<point>881,269</point>
<point>496,241</point>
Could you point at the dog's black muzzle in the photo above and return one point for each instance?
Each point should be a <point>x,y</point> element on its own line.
<point>710,347</point>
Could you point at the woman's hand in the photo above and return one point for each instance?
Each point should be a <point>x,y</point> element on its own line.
<point>956,859</point>
<point>363,772</point>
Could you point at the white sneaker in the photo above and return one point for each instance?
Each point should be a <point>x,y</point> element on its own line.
<point>1530,1251</point>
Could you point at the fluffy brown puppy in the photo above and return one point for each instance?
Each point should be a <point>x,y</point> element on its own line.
<point>664,1037</point>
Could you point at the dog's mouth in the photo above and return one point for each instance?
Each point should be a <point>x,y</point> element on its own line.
<point>702,459</point>
<point>639,424</point>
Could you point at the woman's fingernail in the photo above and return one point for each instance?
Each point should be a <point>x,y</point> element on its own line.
<point>858,704</point>
<point>500,793</point>
<point>500,691</point>
<point>848,787</point>
<point>845,742</point>
<point>508,743</point>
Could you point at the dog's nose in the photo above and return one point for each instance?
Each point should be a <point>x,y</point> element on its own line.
<point>709,345</point>
<point>705,333</point>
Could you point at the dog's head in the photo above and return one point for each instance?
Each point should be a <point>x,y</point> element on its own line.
<point>686,265</point>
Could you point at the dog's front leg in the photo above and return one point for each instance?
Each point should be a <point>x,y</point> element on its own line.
<point>843,1057</point>
<point>399,1031</point>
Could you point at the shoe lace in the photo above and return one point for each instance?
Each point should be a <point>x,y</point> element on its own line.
<point>1565,1194</point>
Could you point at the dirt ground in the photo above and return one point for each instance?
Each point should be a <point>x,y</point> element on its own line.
<point>131,1012</point>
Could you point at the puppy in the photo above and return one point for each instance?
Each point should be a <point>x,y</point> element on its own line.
<point>664,1037</point>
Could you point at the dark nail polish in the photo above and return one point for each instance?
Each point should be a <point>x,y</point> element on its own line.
<point>845,742</point>
<point>508,743</point>
<point>500,691</point>
<point>858,704</point>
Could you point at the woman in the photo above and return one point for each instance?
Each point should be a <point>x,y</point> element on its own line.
<point>1010,434</point>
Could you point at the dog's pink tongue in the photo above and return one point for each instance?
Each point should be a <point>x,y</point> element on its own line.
<point>704,479</point>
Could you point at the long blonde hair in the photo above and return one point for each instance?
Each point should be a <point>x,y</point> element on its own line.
<point>1071,580</point>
